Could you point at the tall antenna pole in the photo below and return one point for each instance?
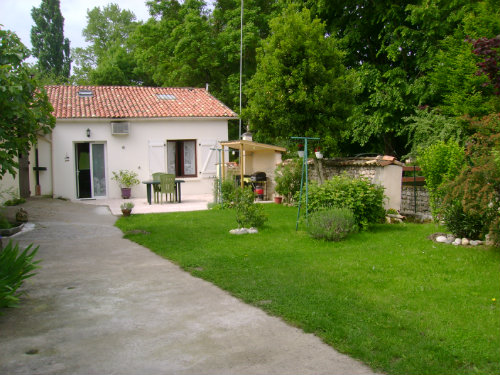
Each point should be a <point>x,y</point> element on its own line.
<point>241,59</point>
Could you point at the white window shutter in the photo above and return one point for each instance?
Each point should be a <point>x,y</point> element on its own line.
<point>156,157</point>
<point>208,157</point>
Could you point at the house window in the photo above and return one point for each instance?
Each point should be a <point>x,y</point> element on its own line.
<point>181,156</point>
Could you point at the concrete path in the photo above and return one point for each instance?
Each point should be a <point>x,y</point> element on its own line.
<point>104,305</point>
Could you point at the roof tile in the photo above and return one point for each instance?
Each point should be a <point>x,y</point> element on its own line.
<point>135,102</point>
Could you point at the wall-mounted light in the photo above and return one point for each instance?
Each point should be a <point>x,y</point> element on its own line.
<point>88,133</point>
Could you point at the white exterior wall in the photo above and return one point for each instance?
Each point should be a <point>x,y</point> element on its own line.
<point>390,178</point>
<point>131,151</point>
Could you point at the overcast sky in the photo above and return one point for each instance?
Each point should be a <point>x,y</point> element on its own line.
<point>15,15</point>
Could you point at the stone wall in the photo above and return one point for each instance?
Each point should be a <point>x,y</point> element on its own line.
<point>408,200</point>
<point>381,170</point>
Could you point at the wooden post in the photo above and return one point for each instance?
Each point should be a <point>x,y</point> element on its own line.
<point>241,166</point>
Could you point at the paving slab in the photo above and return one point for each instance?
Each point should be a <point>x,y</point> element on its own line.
<point>101,304</point>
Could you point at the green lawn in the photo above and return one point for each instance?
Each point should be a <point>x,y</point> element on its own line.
<point>389,297</point>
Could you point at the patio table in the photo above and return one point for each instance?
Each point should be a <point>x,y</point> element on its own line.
<point>149,183</point>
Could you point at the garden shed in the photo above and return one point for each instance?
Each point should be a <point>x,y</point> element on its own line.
<point>254,159</point>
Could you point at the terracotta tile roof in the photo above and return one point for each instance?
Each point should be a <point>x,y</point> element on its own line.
<point>134,102</point>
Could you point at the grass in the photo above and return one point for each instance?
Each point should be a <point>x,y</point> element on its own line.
<point>388,296</point>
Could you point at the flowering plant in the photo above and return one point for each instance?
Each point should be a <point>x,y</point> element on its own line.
<point>317,149</point>
<point>301,146</point>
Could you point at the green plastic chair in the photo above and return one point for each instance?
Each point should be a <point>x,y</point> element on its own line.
<point>156,187</point>
<point>167,186</point>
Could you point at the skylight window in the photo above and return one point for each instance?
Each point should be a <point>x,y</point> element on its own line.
<point>165,96</point>
<point>85,94</point>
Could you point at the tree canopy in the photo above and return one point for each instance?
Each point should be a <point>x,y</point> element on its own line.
<point>25,110</point>
<point>47,37</point>
<point>402,72</point>
<point>300,86</point>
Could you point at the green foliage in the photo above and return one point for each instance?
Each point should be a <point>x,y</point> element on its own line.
<point>127,205</point>
<point>108,59</point>
<point>301,86</point>
<point>287,176</point>
<point>440,164</point>
<point>47,37</point>
<point>248,213</point>
<point>15,267</point>
<point>25,111</point>
<point>14,202</point>
<point>358,194</point>
<point>228,192</point>
<point>477,187</point>
<point>125,178</point>
<point>464,224</point>
<point>332,224</point>
<point>426,128</point>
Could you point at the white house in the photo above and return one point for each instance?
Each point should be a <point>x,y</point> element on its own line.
<point>101,129</point>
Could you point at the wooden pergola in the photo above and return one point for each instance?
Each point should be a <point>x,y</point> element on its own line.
<point>245,146</point>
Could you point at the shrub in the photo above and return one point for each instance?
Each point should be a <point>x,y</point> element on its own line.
<point>463,224</point>
<point>358,194</point>
<point>440,164</point>
<point>332,224</point>
<point>248,213</point>
<point>228,189</point>
<point>15,267</point>
<point>287,176</point>
<point>477,187</point>
<point>126,178</point>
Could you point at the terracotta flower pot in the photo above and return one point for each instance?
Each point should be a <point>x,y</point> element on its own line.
<point>278,200</point>
<point>126,212</point>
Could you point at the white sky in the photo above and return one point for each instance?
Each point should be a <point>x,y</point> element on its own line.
<point>15,15</point>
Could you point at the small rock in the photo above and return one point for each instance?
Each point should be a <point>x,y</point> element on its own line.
<point>473,243</point>
<point>441,239</point>
<point>465,241</point>
<point>479,242</point>
<point>457,242</point>
<point>238,231</point>
<point>252,230</point>
<point>450,239</point>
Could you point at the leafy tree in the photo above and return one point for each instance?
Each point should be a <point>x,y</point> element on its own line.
<point>176,47</point>
<point>440,163</point>
<point>25,110</point>
<point>476,190</point>
<point>300,86</point>
<point>227,23</point>
<point>489,50</point>
<point>108,60</point>
<point>47,37</point>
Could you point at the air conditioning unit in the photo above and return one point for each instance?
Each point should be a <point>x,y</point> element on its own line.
<point>119,128</point>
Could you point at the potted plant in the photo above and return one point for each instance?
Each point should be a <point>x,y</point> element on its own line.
<point>287,177</point>
<point>317,152</point>
<point>301,150</point>
<point>126,208</point>
<point>126,179</point>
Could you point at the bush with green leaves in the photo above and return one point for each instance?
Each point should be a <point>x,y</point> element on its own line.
<point>15,267</point>
<point>287,176</point>
<point>477,187</point>
<point>248,213</point>
<point>365,199</point>
<point>440,163</point>
<point>464,224</point>
<point>333,224</point>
